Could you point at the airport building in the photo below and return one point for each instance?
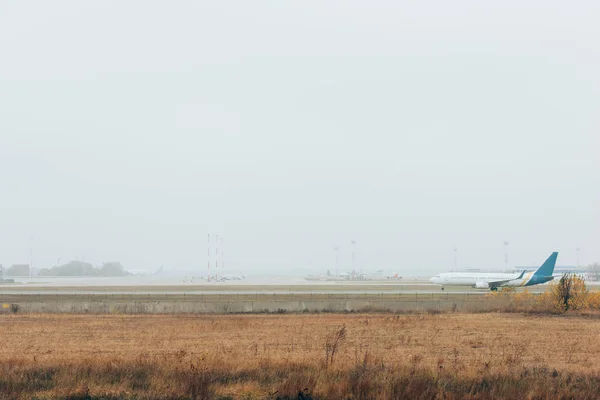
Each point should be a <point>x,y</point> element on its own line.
<point>560,270</point>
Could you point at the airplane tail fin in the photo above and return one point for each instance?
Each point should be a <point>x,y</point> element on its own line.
<point>547,268</point>
<point>521,276</point>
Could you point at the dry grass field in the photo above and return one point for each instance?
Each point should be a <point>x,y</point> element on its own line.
<point>323,356</point>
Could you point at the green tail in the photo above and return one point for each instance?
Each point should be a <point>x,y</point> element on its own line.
<point>547,268</point>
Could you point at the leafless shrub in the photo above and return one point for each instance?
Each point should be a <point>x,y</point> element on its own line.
<point>570,292</point>
<point>332,343</point>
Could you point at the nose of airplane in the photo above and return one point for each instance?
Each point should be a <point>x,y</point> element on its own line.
<point>432,279</point>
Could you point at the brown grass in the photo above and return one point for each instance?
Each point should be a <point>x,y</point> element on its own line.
<point>290,356</point>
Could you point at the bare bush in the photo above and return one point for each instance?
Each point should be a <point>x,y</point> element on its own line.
<point>570,292</point>
<point>332,342</point>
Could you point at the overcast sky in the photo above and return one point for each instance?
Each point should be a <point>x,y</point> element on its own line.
<point>129,130</point>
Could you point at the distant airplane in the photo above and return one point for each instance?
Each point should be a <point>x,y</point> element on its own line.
<point>231,278</point>
<point>493,281</point>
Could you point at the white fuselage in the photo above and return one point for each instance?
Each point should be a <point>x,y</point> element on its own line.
<point>475,278</point>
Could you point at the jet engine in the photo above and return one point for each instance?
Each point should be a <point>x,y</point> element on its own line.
<point>482,285</point>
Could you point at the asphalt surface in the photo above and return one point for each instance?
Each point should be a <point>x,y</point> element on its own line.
<point>160,285</point>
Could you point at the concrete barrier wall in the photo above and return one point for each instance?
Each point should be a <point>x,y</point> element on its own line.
<point>265,306</point>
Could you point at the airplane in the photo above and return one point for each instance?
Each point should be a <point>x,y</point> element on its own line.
<point>493,281</point>
<point>225,278</point>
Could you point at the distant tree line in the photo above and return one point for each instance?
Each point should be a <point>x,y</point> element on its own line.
<point>81,268</point>
<point>17,270</point>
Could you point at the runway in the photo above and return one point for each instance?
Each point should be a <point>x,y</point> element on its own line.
<point>84,292</point>
<point>176,287</point>
<point>251,296</point>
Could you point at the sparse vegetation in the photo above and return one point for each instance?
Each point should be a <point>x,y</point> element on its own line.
<point>452,355</point>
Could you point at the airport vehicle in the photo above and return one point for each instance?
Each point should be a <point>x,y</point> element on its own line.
<point>493,281</point>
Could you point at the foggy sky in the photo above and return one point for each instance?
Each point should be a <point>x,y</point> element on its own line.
<point>131,130</point>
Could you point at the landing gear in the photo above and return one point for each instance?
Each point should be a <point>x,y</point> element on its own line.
<point>442,288</point>
<point>494,289</point>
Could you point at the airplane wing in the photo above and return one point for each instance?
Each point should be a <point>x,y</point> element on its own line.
<point>502,282</point>
<point>498,283</point>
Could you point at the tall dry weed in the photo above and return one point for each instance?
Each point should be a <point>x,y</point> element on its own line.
<point>332,343</point>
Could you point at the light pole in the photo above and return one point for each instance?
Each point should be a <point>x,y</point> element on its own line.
<point>506,255</point>
<point>353,243</point>
<point>31,256</point>
<point>337,256</point>
<point>208,269</point>
<point>217,259</point>
<point>455,259</point>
